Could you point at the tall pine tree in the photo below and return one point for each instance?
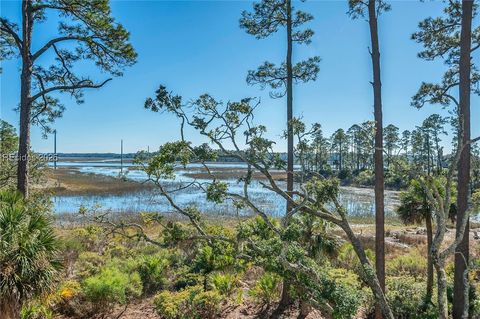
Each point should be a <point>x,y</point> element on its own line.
<point>86,32</point>
<point>372,9</point>
<point>451,39</point>
<point>267,17</point>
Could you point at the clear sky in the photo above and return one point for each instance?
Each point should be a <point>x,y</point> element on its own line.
<point>194,47</point>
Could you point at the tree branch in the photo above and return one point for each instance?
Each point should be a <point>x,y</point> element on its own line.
<point>8,29</point>
<point>52,42</point>
<point>84,84</point>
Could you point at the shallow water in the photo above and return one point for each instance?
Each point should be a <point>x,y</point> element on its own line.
<point>358,201</point>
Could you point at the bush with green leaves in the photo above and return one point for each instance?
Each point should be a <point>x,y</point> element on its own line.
<point>474,302</point>
<point>91,237</point>
<point>311,246</point>
<point>189,303</point>
<point>364,178</point>
<point>398,175</point>
<point>206,304</point>
<point>36,310</point>
<point>225,283</point>
<point>406,296</point>
<point>343,289</point>
<point>267,288</point>
<point>267,245</point>
<point>183,277</point>
<point>412,264</point>
<point>172,305</point>
<point>29,261</point>
<point>111,286</point>
<point>153,271</point>
<point>348,259</point>
<point>69,299</point>
<point>88,264</point>
<point>211,257</point>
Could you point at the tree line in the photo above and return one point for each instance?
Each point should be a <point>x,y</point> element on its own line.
<point>352,149</point>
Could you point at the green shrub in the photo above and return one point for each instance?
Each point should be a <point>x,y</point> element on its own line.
<point>69,289</point>
<point>226,284</point>
<point>337,287</point>
<point>412,264</point>
<point>343,288</point>
<point>348,259</point>
<point>183,278</point>
<point>90,237</point>
<point>188,303</point>
<point>406,297</point>
<point>117,250</point>
<point>345,174</point>
<point>152,271</point>
<point>365,178</point>
<point>474,303</point>
<point>69,299</point>
<point>266,289</point>
<point>170,305</point>
<point>29,259</point>
<point>111,286</point>
<point>206,305</point>
<point>36,310</point>
<point>88,264</point>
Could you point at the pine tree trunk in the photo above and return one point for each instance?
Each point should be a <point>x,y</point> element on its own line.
<point>286,298</point>
<point>358,159</point>
<point>379,174</point>
<point>289,103</point>
<point>25,103</point>
<point>428,155</point>
<point>429,292</point>
<point>340,158</point>
<point>462,251</point>
<point>439,156</point>
<point>9,308</point>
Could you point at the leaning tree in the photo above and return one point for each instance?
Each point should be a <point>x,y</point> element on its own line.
<point>86,31</point>
<point>224,125</point>
<point>267,18</point>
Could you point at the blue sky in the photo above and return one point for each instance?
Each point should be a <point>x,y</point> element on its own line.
<point>194,47</point>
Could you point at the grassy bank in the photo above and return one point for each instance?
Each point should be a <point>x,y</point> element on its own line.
<point>69,181</point>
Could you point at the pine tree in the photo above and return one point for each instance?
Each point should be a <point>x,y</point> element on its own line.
<point>391,141</point>
<point>373,8</point>
<point>267,18</point>
<point>87,32</point>
<point>451,39</point>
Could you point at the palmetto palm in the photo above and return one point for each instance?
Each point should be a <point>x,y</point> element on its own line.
<point>415,209</point>
<point>316,238</point>
<point>28,249</point>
